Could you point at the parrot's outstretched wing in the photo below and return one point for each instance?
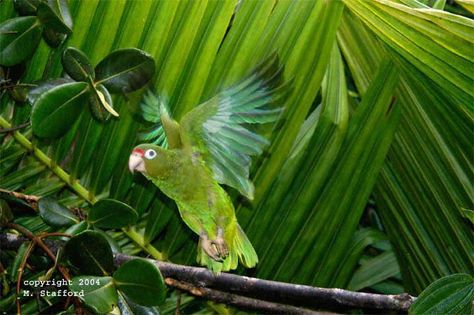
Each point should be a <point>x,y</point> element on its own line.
<point>218,127</point>
<point>164,130</point>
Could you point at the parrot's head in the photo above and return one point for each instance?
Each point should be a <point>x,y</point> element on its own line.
<point>147,158</point>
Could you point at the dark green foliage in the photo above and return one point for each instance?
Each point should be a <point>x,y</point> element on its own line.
<point>137,281</point>
<point>90,253</point>
<point>122,71</point>
<point>114,246</point>
<point>56,110</point>
<point>55,15</point>
<point>99,292</point>
<point>77,65</point>
<point>110,213</point>
<point>19,38</point>
<point>26,7</point>
<point>52,37</point>
<point>55,214</point>
<point>125,70</point>
<point>141,281</point>
<point>45,86</point>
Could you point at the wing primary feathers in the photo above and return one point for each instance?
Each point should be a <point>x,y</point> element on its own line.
<point>219,127</point>
<point>257,116</point>
<point>153,106</point>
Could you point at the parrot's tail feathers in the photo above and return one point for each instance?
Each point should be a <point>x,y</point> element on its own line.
<point>244,249</point>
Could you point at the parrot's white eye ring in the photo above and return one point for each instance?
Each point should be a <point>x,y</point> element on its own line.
<point>150,154</point>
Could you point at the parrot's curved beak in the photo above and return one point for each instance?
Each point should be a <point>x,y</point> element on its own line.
<point>135,162</point>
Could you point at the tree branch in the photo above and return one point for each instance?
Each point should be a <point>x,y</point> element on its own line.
<point>229,288</point>
<point>238,301</point>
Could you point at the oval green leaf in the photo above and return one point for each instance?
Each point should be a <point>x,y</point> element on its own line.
<point>56,110</point>
<point>90,252</point>
<point>44,86</point>
<point>113,243</point>
<point>100,103</point>
<point>110,213</point>
<point>141,281</point>
<point>53,38</point>
<point>125,70</point>
<point>55,214</point>
<point>26,7</point>
<point>77,65</point>
<point>449,295</point>
<point>19,38</point>
<point>55,14</point>
<point>98,293</point>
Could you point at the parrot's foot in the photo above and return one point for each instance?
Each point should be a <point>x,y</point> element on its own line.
<point>216,249</point>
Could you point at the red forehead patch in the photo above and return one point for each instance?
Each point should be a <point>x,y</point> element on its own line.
<point>139,151</point>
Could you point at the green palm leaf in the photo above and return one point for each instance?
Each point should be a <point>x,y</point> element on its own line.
<point>342,137</point>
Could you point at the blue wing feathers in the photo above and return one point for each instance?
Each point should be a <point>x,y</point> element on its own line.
<point>152,107</point>
<point>228,139</point>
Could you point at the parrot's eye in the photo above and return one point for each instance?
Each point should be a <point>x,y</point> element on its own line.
<point>150,154</point>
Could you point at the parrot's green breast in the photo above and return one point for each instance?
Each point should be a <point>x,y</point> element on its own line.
<point>178,177</point>
<point>186,179</point>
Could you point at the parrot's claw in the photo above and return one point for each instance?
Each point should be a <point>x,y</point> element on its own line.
<point>216,249</point>
<point>210,248</point>
<point>221,244</point>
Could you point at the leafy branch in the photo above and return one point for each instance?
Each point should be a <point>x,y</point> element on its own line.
<point>75,185</point>
<point>37,240</point>
<point>267,296</point>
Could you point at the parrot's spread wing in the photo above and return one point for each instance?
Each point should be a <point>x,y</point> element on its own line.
<point>164,130</point>
<point>219,127</point>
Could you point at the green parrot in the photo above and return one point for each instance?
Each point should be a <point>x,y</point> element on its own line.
<point>210,146</point>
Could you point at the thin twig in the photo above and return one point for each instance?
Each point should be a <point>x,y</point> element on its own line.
<point>17,85</point>
<point>51,234</point>
<point>178,303</point>
<point>7,130</point>
<point>27,198</point>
